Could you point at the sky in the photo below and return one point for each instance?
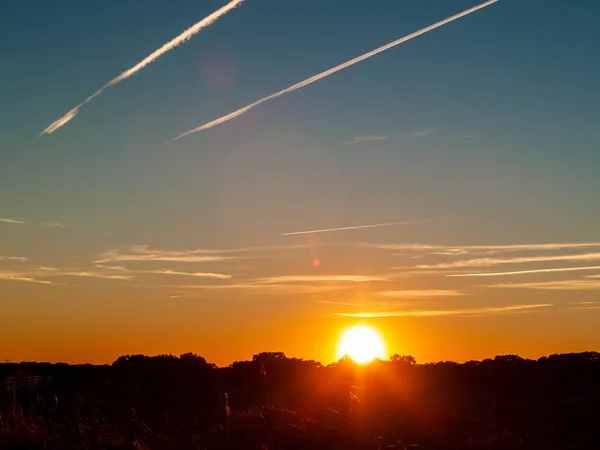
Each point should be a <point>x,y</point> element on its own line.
<point>472,148</point>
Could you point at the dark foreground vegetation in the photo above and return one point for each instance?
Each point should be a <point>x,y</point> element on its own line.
<point>275,402</point>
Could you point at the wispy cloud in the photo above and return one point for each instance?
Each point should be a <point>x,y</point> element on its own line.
<point>21,259</point>
<point>13,221</point>
<point>525,272</point>
<point>187,34</point>
<point>356,227</point>
<point>218,276</point>
<point>476,312</point>
<point>483,262</point>
<point>563,285</point>
<point>586,306</point>
<point>422,133</point>
<point>320,278</point>
<point>90,274</point>
<point>420,294</point>
<point>23,278</point>
<point>331,71</point>
<point>144,253</point>
<point>451,250</point>
<point>366,138</point>
<point>52,272</point>
<point>53,225</point>
<point>468,135</point>
<point>595,277</point>
<point>265,288</point>
<point>95,230</point>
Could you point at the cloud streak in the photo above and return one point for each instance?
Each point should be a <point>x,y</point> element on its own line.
<point>468,135</point>
<point>290,288</point>
<point>26,279</point>
<point>525,272</point>
<point>451,250</point>
<point>144,253</point>
<point>420,294</point>
<point>53,225</point>
<point>320,278</point>
<point>483,262</point>
<point>96,230</point>
<point>357,227</point>
<point>186,35</point>
<point>366,138</point>
<point>563,285</point>
<point>422,133</point>
<point>217,276</point>
<point>12,221</point>
<point>476,312</point>
<point>21,259</point>
<point>331,71</point>
<point>90,274</point>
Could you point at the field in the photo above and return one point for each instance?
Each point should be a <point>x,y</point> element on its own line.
<point>275,402</point>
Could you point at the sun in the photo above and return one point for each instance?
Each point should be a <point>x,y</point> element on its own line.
<point>362,343</point>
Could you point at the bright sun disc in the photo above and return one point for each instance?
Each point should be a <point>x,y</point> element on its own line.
<point>362,343</point>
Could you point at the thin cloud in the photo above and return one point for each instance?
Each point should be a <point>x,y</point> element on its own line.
<point>483,262</point>
<point>526,272</point>
<point>95,230</point>
<point>188,259</point>
<point>356,227</point>
<point>320,278</point>
<point>477,312</point>
<point>12,221</point>
<point>585,306</point>
<point>422,133</point>
<point>267,288</point>
<point>451,250</point>
<point>218,276</point>
<point>328,302</point>
<point>468,135</point>
<point>186,35</point>
<point>331,71</point>
<point>420,293</point>
<point>91,274</point>
<point>366,138</point>
<point>596,277</point>
<point>564,285</point>
<point>144,253</point>
<point>21,259</point>
<point>22,278</point>
<point>45,272</point>
<point>53,225</point>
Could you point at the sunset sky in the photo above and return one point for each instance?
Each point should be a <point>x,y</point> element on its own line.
<point>475,146</point>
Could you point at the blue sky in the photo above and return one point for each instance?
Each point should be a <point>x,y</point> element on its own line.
<point>486,126</point>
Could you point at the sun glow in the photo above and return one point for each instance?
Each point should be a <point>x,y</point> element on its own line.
<point>362,343</point>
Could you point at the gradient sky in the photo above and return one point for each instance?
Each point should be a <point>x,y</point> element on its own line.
<point>485,131</point>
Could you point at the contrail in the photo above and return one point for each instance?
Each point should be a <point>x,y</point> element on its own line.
<point>331,71</point>
<point>358,227</point>
<point>187,34</point>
